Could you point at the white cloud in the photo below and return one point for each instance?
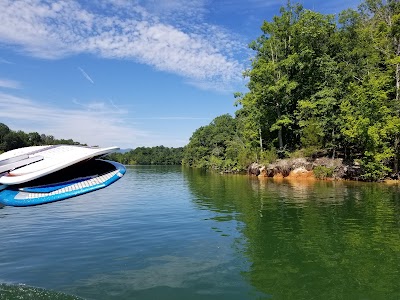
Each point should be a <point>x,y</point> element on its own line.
<point>9,84</point>
<point>98,122</point>
<point>127,30</point>
<point>94,124</point>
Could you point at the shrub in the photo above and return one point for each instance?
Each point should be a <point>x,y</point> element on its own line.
<point>374,171</point>
<point>304,152</point>
<point>215,162</point>
<point>268,156</point>
<point>245,158</point>
<point>323,172</point>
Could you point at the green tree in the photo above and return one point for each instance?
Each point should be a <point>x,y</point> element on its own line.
<point>4,130</point>
<point>269,102</point>
<point>319,89</point>
<point>385,31</point>
<point>369,112</point>
<point>13,140</point>
<point>371,124</point>
<point>209,144</point>
<point>34,139</point>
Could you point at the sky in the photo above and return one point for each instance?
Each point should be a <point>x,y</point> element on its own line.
<point>128,73</point>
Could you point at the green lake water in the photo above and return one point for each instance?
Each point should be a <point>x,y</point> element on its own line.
<point>176,233</point>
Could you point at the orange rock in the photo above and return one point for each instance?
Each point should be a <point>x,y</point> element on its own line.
<point>263,173</point>
<point>278,176</point>
<point>301,174</point>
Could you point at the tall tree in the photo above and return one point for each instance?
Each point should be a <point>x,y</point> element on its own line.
<point>319,79</point>
<point>371,109</point>
<point>4,130</point>
<point>385,30</point>
<point>270,82</point>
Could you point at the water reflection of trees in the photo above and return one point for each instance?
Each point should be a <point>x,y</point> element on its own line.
<point>322,240</point>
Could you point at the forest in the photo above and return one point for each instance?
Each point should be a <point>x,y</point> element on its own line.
<point>158,155</point>
<point>317,84</point>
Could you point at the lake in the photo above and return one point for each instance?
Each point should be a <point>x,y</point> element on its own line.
<point>177,233</point>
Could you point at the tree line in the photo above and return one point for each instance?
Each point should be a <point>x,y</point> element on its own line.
<point>10,139</point>
<point>159,155</point>
<point>317,83</point>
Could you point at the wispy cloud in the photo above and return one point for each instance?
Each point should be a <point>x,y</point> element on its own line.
<point>9,84</point>
<point>253,4</point>
<point>100,126</point>
<point>177,10</point>
<point>86,75</point>
<point>5,61</point>
<point>95,123</point>
<point>195,50</point>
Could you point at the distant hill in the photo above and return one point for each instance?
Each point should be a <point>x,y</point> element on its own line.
<point>124,150</point>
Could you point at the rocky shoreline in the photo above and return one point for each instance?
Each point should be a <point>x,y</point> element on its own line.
<point>302,168</point>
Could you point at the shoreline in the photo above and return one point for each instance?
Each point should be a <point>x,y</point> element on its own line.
<point>306,169</point>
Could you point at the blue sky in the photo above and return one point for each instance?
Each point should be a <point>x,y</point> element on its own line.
<point>127,73</point>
